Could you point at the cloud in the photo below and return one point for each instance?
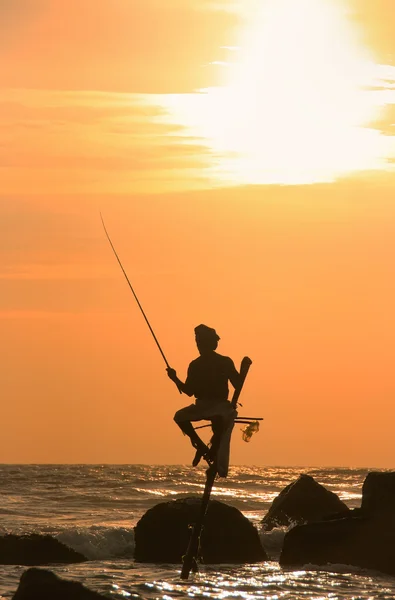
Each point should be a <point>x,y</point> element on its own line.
<point>118,45</point>
<point>78,142</point>
<point>375,24</point>
<point>385,122</point>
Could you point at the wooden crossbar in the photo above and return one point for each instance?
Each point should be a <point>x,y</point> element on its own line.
<point>245,420</point>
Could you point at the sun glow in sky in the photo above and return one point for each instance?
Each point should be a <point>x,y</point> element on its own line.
<point>297,100</point>
<point>160,114</point>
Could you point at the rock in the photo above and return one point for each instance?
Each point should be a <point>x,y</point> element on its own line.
<point>360,542</point>
<point>378,495</point>
<point>39,584</point>
<point>162,534</point>
<point>36,549</point>
<point>302,501</point>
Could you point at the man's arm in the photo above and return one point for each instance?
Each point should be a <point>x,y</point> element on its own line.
<point>183,387</point>
<point>235,377</point>
<point>233,374</point>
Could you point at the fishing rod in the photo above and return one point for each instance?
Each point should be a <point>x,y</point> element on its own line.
<point>134,294</point>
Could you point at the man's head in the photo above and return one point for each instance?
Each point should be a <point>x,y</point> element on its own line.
<point>206,338</point>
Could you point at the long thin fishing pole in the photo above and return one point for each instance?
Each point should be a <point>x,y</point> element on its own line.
<point>134,294</point>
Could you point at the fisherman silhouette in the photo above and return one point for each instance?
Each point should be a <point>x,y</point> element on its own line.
<point>207,380</point>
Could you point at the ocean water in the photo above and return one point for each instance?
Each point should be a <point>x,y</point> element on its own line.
<point>93,509</point>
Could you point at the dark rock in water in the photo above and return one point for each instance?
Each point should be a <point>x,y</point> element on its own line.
<point>302,501</point>
<point>378,495</point>
<point>39,584</point>
<point>162,534</point>
<point>36,549</point>
<point>360,542</point>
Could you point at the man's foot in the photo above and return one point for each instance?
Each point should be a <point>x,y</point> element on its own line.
<point>202,451</point>
<point>197,458</point>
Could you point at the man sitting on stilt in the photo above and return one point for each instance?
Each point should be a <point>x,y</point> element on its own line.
<point>207,380</point>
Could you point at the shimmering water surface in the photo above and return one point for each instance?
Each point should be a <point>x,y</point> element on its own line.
<point>93,508</point>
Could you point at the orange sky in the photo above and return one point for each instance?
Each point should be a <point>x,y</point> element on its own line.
<point>225,212</point>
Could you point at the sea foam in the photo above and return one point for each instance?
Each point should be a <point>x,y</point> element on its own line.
<point>100,543</point>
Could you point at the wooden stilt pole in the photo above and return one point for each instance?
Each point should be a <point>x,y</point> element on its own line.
<point>192,554</point>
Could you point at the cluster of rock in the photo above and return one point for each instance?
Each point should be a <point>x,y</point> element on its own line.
<point>322,530</point>
<point>35,549</point>
<point>162,534</point>
<point>302,501</point>
<point>40,584</point>
<point>363,537</point>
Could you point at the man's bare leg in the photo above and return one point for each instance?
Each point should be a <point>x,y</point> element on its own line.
<point>202,451</point>
<point>217,427</point>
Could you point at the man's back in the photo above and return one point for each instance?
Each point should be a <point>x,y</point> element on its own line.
<point>208,377</point>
